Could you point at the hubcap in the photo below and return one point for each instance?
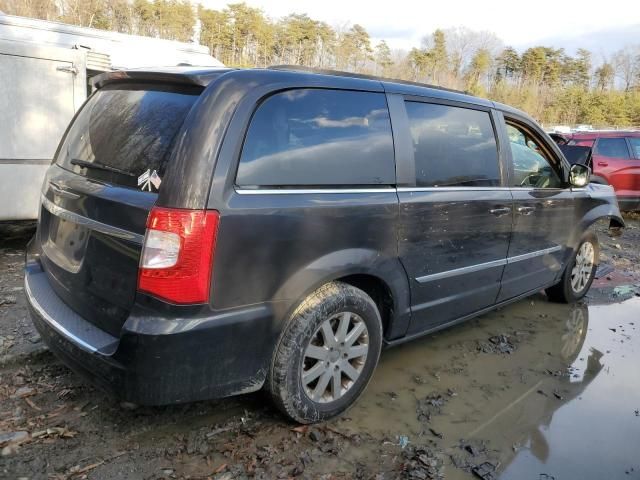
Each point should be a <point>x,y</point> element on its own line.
<point>583,267</point>
<point>335,357</point>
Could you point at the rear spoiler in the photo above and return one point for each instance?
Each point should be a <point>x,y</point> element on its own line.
<point>177,76</point>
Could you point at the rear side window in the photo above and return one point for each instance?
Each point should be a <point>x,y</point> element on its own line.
<point>612,147</point>
<point>635,146</point>
<point>122,133</point>
<point>453,146</point>
<point>311,137</point>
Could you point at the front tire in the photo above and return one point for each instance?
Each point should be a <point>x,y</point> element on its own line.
<point>326,354</point>
<point>579,273</point>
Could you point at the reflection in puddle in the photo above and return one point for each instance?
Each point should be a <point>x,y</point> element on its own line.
<point>563,404</point>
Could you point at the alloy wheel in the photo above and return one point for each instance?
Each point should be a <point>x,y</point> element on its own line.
<point>583,267</point>
<point>335,357</point>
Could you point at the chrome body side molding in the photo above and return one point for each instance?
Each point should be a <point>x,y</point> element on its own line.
<point>482,266</point>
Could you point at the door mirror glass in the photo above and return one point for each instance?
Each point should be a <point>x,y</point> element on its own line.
<point>579,175</point>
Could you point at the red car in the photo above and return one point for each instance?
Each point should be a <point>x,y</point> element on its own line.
<point>616,162</point>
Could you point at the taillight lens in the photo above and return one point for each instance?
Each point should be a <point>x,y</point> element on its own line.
<point>161,249</point>
<point>177,255</point>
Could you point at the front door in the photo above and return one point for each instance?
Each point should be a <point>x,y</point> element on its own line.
<point>455,219</point>
<point>543,212</point>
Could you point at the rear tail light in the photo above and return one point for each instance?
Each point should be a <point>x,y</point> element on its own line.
<point>177,255</point>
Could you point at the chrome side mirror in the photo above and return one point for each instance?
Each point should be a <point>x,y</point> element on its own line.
<point>579,175</point>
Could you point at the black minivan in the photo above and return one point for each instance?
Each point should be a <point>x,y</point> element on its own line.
<point>210,232</point>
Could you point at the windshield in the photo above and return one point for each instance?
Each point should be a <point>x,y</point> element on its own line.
<point>122,136</point>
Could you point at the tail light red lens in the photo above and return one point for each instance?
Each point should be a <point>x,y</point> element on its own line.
<point>177,255</point>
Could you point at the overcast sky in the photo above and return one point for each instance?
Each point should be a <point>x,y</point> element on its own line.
<point>601,25</point>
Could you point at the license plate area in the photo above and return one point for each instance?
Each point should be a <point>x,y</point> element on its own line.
<point>66,242</point>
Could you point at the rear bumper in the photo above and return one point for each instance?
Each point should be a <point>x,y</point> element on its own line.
<point>157,360</point>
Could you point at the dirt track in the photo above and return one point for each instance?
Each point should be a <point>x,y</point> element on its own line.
<point>519,390</point>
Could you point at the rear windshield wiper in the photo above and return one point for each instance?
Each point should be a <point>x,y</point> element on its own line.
<point>99,166</point>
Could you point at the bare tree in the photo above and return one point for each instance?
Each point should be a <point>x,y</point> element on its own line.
<point>626,65</point>
<point>463,43</point>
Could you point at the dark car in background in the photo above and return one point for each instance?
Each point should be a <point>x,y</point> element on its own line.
<point>615,161</point>
<point>210,232</point>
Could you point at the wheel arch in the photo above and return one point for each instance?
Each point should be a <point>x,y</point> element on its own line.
<point>605,211</point>
<point>601,202</point>
<point>382,278</point>
<point>379,292</point>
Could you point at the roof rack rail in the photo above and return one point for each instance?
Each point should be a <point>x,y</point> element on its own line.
<point>340,73</point>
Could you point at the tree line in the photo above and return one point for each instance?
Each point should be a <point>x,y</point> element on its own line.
<point>551,85</point>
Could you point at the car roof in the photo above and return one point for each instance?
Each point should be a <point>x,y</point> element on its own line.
<point>603,134</point>
<point>203,76</point>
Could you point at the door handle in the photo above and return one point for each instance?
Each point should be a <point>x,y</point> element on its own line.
<point>603,164</point>
<point>498,212</point>
<point>526,210</point>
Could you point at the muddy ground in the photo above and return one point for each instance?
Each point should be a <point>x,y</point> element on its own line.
<point>535,390</point>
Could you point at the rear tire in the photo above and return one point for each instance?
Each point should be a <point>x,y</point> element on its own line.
<point>579,273</point>
<point>326,354</point>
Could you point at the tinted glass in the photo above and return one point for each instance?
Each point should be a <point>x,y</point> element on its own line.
<point>635,146</point>
<point>319,137</point>
<point>531,167</point>
<point>612,147</point>
<point>576,154</point>
<point>453,146</point>
<point>126,131</point>
<point>581,142</point>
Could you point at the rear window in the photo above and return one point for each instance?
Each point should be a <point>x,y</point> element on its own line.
<point>122,136</point>
<point>453,146</point>
<point>314,137</point>
<point>581,142</point>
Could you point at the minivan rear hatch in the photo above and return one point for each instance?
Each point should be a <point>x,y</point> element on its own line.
<point>97,197</point>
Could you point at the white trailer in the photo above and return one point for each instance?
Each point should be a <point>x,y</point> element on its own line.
<point>45,69</point>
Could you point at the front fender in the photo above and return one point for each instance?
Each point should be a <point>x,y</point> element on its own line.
<point>600,202</point>
<point>343,263</point>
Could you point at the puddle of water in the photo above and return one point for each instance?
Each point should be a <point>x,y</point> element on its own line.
<point>596,435</point>
<point>562,404</point>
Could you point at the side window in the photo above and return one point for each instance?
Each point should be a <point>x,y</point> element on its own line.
<point>314,137</point>
<point>635,146</point>
<point>453,146</point>
<point>612,147</point>
<point>531,164</point>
